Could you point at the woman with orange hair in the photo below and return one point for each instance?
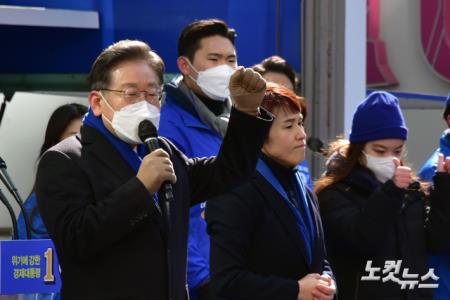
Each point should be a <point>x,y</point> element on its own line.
<point>266,235</point>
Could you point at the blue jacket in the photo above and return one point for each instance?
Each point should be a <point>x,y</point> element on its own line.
<point>429,167</point>
<point>38,231</point>
<point>38,228</point>
<point>181,124</point>
<point>440,263</point>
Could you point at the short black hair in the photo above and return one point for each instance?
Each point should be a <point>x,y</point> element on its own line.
<point>277,64</point>
<point>189,40</point>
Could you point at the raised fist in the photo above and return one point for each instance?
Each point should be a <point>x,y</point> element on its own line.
<point>247,89</point>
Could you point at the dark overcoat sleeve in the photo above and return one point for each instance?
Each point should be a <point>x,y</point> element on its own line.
<point>438,219</point>
<point>236,161</point>
<point>83,220</point>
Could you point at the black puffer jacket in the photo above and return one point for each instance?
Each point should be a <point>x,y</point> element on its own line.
<point>366,220</point>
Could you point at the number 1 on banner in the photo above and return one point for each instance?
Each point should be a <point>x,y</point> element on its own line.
<point>49,266</point>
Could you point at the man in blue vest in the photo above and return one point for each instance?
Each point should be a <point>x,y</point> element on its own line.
<point>441,263</point>
<point>195,115</point>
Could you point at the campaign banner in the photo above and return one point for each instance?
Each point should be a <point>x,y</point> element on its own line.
<point>28,266</point>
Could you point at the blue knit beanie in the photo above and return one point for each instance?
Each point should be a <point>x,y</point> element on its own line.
<point>378,117</point>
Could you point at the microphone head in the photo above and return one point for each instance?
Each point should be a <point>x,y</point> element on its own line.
<point>147,130</point>
<point>8,95</point>
<point>314,144</point>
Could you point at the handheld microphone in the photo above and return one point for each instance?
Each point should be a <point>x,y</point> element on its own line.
<point>7,98</point>
<point>9,185</point>
<point>149,135</point>
<point>4,200</point>
<point>315,145</point>
<point>15,193</point>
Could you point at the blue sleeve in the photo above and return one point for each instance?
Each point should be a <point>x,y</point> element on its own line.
<point>441,265</point>
<point>198,247</point>
<point>429,167</point>
<point>38,232</point>
<point>37,225</point>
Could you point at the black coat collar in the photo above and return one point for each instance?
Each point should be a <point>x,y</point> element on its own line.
<point>287,219</point>
<point>284,174</point>
<point>362,179</point>
<point>93,141</point>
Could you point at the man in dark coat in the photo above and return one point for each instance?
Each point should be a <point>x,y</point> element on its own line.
<point>97,191</point>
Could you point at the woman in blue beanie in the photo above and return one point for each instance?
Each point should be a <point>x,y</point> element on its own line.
<point>379,224</point>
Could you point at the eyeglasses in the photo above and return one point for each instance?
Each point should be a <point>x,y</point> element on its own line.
<point>133,94</point>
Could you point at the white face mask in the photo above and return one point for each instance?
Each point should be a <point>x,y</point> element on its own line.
<point>126,121</point>
<point>214,81</point>
<point>382,167</point>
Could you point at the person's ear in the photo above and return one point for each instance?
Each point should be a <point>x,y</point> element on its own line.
<point>183,65</point>
<point>448,120</point>
<point>94,101</point>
